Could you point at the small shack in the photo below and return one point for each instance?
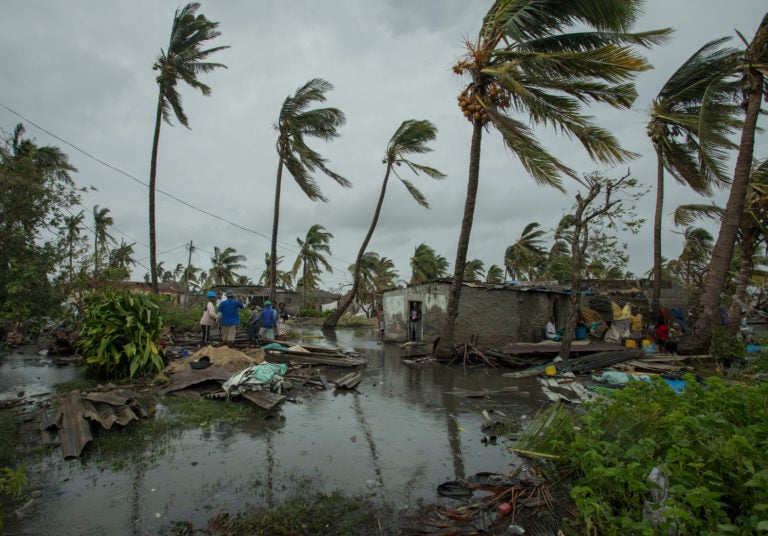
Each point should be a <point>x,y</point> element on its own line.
<point>498,314</point>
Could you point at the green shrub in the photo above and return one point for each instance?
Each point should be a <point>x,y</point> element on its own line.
<point>725,348</point>
<point>709,442</point>
<point>119,334</point>
<point>11,483</point>
<point>180,319</point>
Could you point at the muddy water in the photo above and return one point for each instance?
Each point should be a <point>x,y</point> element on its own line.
<point>395,441</point>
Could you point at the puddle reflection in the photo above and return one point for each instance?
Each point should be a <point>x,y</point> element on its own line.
<point>404,434</point>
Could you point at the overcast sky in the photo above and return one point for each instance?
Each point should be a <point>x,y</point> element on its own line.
<point>81,71</point>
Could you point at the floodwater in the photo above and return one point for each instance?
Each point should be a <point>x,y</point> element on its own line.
<point>395,442</point>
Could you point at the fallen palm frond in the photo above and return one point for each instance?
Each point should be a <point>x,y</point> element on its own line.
<point>554,423</point>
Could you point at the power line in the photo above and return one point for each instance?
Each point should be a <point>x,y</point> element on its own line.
<point>285,245</point>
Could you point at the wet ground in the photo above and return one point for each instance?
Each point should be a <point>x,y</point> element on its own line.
<point>395,441</point>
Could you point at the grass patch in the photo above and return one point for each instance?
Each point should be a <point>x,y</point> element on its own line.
<point>8,456</point>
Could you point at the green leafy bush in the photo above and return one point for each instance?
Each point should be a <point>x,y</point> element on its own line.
<point>119,334</point>
<point>180,319</point>
<point>11,483</point>
<point>726,348</point>
<point>709,442</point>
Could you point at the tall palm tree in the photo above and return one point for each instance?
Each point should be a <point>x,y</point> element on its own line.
<point>411,138</point>
<point>753,233</point>
<point>72,228</point>
<point>691,118</point>
<point>473,270</point>
<point>754,89</point>
<point>183,61</point>
<point>296,122</point>
<point>377,274</point>
<point>311,259</point>
<point>524,60</point>
<point>223,265</point>
<point>427,265</point>
<point>101,222</point>
<point>494,274</point>
<point>521,258</point>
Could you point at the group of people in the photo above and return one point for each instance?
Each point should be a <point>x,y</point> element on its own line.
<point>261,324</point>
<point>660,331</point>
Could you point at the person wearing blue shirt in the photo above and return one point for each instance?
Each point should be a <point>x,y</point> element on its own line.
<point>268,319</point>
<point>230,317</point>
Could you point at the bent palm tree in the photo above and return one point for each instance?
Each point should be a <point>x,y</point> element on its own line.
<point>311,259</point>
<point>411,137</point>
<point>525,61</point>
<point>427,264</point>
<point>753,67</point>
<point>521,258</point>
<point>284,279</point>
<point>223,266</point>
<point>691,118</point>
<point>473,270</point>
<point>295,123</point>
<point>494,274</point>
<point>182,61</point>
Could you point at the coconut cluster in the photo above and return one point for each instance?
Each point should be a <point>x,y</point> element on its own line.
<point>473,105</point>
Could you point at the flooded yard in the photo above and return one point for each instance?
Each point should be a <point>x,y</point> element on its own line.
<point>404,432</point>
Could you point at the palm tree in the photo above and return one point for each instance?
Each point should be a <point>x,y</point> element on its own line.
<point>753,233</point>
<point>120,260</point>
<point>183,61</point>
<point>311,258</point>
<point>695,255</point>
<point>101,222</point>
<point>558,262</point>
<point>284,279</point>
<point>473,270</point>
<point>691,118</point>
<point>427,265</point>
<point>411,137</point>
<point>72,227</point>
<point>524,61</point>
<point>223,266</point>
<point>376,275</point>
<point>521,258</point>
<point>754,89</point>
<point>494,274</point>
<point>295,123</point>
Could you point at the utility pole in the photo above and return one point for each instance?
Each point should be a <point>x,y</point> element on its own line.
<point>186,273</point>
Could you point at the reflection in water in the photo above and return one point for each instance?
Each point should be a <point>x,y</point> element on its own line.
<point>416,436</point>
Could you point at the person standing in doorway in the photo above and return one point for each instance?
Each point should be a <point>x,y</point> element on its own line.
<point>380,323</point>
<point>230,317</point>
<point>209,319</point>
<point>414,322</point>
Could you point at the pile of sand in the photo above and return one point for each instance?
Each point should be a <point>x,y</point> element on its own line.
<point>222,356</point>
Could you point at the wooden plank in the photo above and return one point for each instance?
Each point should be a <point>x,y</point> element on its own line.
<point>263,399</point>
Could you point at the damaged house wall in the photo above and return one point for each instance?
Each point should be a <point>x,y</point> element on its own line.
<point>496,315</point>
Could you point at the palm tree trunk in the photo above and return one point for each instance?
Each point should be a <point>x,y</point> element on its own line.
<point>656,292</point>
<point>445,346</point>
<point>748,248</point>
<point>275,221</point>
<point>707,311</point>
<point>333,319</point>
<point>152,184</point>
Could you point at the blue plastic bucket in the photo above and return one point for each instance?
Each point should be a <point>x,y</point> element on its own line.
<point>580,333</point>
